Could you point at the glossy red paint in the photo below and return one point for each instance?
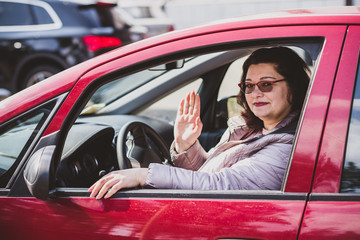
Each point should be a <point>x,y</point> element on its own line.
<point>154,218</point>
<point>330,162</point>
<point>335,219</point>
<point>331,220</point>
<point>305,155</point>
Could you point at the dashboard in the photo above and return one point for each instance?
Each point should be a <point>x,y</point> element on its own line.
<point>89,153</point>
<point>90,148</point>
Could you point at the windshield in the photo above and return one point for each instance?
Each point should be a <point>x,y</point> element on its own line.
<point>114,90</point>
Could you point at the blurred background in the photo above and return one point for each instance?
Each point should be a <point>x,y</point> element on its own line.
<point>185,13</point>
<point>39,38</point>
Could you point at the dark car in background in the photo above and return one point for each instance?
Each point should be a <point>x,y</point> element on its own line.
<point>41,38</point>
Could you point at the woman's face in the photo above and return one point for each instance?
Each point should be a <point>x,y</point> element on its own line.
<point>271,107</point>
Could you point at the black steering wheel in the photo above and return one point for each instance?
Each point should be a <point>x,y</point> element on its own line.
<point>138,145</point>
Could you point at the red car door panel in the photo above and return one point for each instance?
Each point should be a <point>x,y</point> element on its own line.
<point>183,216</point>
<point>331,217</point>
<point>330,214</point>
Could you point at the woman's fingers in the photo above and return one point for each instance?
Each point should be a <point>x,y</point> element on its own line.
<point>186,104</point>
<point>189,104</point>
<point>192,102</point>
<point>181,107</point>
<point>114,181</point>
<point>188,125</point>
<point>100,187</point>
<point>107,188</point>
<point>111,191</point>
<point>197,105</point>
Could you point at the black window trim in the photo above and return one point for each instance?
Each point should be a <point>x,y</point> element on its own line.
<point>187,194</point>
<point>335,197</point>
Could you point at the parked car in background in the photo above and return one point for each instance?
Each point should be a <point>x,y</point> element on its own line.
<point>150,14</point>
<point>61,135</point>
<point>42,37</point>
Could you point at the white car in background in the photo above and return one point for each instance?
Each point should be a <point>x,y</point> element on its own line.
<point>149,14</point>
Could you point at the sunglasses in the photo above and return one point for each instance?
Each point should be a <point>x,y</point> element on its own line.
<point>264,86</point>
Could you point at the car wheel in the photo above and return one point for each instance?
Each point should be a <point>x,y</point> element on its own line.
<point>38,74</point>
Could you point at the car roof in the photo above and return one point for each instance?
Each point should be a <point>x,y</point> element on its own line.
<point>45,90</point>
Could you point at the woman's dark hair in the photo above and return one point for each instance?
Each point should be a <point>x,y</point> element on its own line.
<point>288,64</point>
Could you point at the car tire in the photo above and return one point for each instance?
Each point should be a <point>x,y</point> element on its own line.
<point>38,74</point>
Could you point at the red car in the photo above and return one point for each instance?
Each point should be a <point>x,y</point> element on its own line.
<point>61,135</point>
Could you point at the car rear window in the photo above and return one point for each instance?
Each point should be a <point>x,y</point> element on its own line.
<point>20,14</point>
<point>15,14</point>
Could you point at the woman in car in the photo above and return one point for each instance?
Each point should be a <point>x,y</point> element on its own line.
<point>254,151</point>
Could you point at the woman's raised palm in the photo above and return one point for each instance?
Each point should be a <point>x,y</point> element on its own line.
<point>188,125</point>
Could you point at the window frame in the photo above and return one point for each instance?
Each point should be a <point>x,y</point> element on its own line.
<point>239,45</point>
<point>16,169</point>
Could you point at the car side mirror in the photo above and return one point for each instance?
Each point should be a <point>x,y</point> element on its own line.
<point>37,172</point>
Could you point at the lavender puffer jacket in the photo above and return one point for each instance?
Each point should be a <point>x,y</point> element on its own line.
<point>258,162</point>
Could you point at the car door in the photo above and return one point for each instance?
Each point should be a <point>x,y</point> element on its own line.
<point>333,210</point>
<point>164,214</point>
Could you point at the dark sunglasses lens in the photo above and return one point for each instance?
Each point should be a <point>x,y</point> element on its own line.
<point>246,87</point>
<point>265,86</point>
<point>249,88</point>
